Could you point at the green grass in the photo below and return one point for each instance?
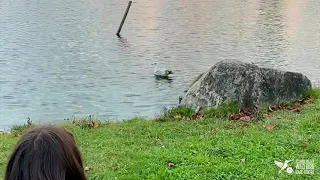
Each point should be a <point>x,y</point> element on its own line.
<point>211,148</point>
<point>224,111</point>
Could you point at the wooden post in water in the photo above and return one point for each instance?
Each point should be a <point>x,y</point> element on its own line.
<point>124,18</point>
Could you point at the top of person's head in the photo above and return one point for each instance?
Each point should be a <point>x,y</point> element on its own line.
<point>45,153</point>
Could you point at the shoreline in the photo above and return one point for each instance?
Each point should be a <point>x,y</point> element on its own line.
<point>209,147</point>
<point>181,112</point>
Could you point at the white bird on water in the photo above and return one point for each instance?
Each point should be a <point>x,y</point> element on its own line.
<point>161,72</point>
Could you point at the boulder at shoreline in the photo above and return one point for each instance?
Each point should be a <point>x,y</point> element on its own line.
<point>246,83</point>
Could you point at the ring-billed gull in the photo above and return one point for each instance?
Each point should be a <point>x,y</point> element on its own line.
<point>161,72</point>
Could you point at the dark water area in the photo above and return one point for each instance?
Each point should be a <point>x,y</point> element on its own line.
<point>61,59</point>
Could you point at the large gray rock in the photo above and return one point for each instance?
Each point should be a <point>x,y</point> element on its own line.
<point>246,83</point>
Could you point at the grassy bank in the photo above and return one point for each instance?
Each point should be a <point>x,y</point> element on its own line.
<point>207,148</point>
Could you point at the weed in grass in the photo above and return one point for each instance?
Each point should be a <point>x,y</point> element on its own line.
<point>177,113</point>
<point>87,122</point>
<point>315,93</point>
<point>224,111</point>
<point>19,129</point>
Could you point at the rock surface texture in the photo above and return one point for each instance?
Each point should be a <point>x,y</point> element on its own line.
<point>245,83</point>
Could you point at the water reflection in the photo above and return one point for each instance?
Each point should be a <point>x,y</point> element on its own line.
<point>163,79</point>
<point>60,59</point>
<point>123,42</point>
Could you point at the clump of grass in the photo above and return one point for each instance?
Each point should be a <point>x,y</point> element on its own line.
<point>315,93</point>
<point>287,103</point>
<point>173,113</point>
<point>135,119</point>
<point>260,113</point>
<point>225,110</point>
<point>181,110</point>
<point>18,129</point>
<point>87,122</point>
<point>163,119</point>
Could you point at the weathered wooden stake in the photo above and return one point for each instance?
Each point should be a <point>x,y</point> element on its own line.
<point>124,18</point>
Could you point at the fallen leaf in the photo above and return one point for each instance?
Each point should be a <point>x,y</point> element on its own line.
<point>248,111</point>
<point>16,134</point>
<point>308,101</point>
<point>95,124</point>
<point>296,110</point>
<point>290,108</point>
<point>196,116</point>
<point>245,118</point>
<point>235,117</point>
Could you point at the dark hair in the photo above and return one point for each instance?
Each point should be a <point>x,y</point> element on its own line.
<point>45,153</point>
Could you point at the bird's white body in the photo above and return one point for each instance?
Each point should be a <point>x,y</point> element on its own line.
<point>161,72</point>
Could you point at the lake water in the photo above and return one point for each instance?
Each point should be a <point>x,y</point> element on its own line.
<point>61,59</point>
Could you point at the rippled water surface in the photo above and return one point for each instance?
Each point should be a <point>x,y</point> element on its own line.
<point>61,59</point>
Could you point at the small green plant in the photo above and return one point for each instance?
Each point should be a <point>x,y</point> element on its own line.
<point>260,113</point>
<point>163,119</point>
<point>135,119</point>
<point>181,110</point>
<point>22,128</point>
<point>175,113</point>
<point>315,93</point>
<point>286,103</point>
<point>225,110</point>
<point>87,122</point>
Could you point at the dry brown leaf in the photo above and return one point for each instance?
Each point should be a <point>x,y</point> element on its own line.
<point>95,124</point>
<point>235,117</point>
<point>16,134</point>
<point>245,118</point>
<point>296,110</point>
<point>308,101</point>
<point>196,116</point>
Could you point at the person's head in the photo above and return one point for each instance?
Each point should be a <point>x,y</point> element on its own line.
<point>45,153</point>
